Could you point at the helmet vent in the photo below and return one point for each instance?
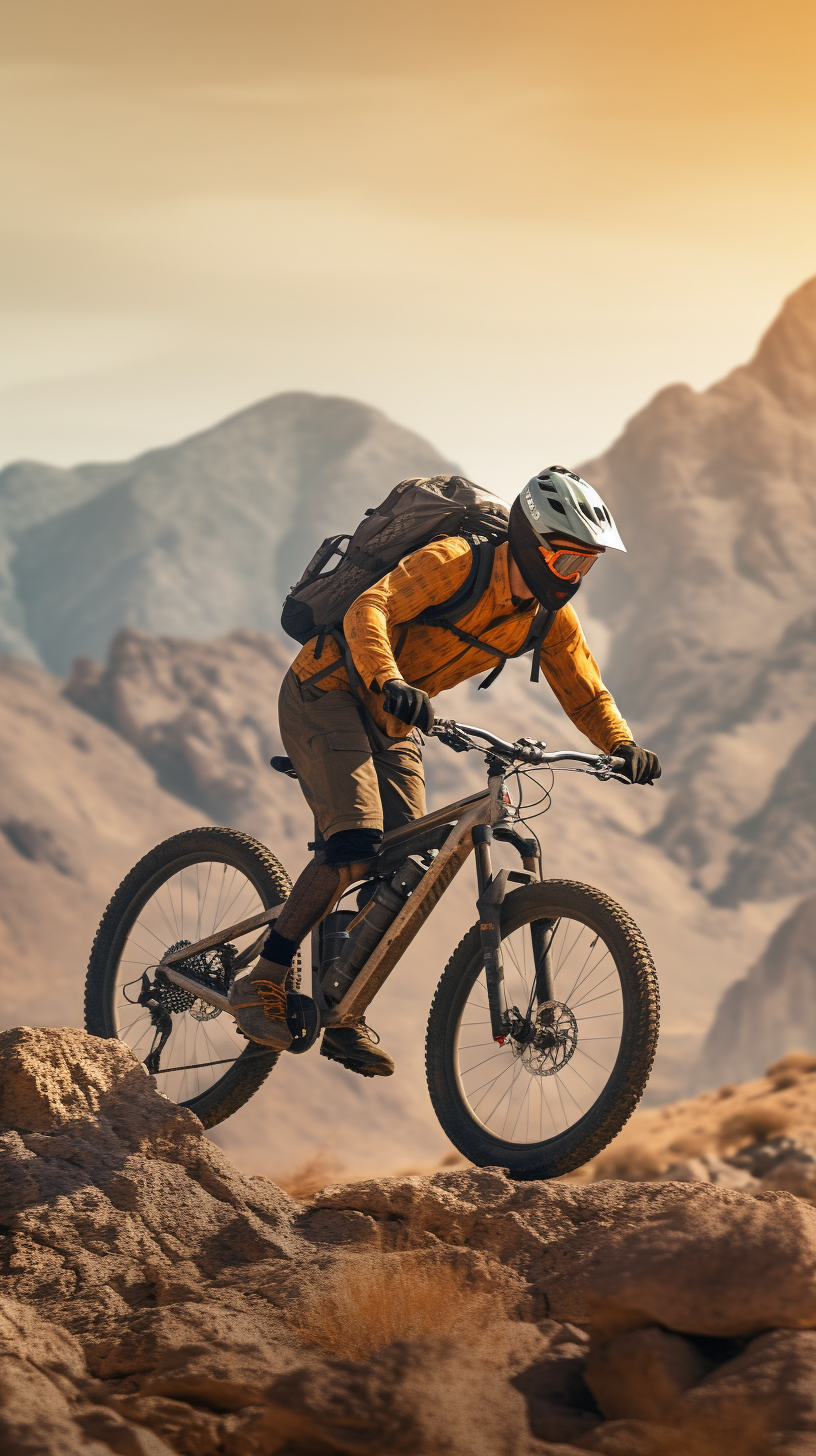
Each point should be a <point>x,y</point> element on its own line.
<point>582,506</point>
<point>557,506</point>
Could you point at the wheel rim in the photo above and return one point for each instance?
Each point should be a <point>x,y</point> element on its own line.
<point>529,1094</point>
<point>187,904</point>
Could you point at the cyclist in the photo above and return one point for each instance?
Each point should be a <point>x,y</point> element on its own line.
<point>358,756</point>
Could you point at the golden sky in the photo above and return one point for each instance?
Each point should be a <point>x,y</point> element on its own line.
<point>505,224</point>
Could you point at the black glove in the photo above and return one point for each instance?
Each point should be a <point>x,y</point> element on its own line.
<point>408,704</point>
<point>641,766</point>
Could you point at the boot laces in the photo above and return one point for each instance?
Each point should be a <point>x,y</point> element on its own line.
<point>273,997</point>
<point>367,1031</point>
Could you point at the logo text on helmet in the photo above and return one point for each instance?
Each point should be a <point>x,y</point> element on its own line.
<point>536,515</point>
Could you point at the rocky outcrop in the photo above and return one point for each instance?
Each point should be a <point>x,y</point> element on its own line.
<point>204,716</point>
<point>756,1136</point>
<point>150,1296</point>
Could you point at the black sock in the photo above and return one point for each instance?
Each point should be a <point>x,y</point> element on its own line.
<point>278,949</point>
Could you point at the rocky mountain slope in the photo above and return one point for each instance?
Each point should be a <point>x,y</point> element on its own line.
<point>713,611</point>
<point>156,1301</point>
<point>195,538</point>
<point>757,1013</point>
<point>78,807</point>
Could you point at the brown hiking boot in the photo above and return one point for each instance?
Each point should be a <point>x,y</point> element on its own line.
<point>260,1011</point>
<point>357,1047</point>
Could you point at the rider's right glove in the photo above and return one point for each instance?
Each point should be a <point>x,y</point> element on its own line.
<point>641,766</point>
<point>408,704</point>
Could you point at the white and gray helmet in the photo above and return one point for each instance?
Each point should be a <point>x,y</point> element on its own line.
<point>558,502</point>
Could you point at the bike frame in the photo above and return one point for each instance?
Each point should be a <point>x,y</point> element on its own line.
<point>482,808</point>
<point>472,818</point>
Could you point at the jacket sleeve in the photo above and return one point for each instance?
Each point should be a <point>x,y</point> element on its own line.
<point>573,675</point>
<point>423,579</point>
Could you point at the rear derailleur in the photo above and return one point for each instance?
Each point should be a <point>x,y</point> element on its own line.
<point>213,969</point>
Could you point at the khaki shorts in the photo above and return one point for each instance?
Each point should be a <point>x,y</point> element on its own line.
<point>352,774</point>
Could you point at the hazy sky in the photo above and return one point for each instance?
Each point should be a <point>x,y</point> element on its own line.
<point>504,224</point>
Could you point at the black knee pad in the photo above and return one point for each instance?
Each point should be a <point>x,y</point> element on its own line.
<point>351,846</point>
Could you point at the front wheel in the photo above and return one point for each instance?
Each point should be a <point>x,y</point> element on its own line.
<point>576,1061</point>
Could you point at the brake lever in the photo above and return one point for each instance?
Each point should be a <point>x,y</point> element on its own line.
<point>459,745</point>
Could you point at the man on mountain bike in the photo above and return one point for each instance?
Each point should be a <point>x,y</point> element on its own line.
<point>358,755</point>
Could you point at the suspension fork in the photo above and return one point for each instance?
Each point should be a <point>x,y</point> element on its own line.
<point>489,904</point>
<point>542,933</point>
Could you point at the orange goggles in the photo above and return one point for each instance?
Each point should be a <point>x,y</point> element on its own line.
<point>569,564</point>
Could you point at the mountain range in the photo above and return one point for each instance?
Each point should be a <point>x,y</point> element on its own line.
<point>193,539</point>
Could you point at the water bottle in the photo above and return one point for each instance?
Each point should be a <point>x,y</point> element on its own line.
<point>360,933</point>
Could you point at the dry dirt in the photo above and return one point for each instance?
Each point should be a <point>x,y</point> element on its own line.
<point>154,1300</point>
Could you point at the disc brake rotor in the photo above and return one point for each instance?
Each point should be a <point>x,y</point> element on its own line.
<point>547,1043</point>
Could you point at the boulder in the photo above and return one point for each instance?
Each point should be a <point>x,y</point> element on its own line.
<point>686,1269</point>
<point>765,1397</point>
<point>616,1255</point>
<point>422,1400</point>
<point>642,1374</point>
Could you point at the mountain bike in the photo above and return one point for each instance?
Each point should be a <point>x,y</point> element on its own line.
<point>544,1025</point>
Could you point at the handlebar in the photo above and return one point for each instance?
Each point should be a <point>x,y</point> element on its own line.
<point>525,750</point>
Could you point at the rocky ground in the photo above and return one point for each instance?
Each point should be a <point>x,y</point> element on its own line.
<point>155,1301</point>
<point>757,1136</point>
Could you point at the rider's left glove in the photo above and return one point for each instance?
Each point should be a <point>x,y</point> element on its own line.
<point>641,766</point>
<point>408,704</point>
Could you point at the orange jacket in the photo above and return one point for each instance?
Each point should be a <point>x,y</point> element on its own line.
<point>434,659</point>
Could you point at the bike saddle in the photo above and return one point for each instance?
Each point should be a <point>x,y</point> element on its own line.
<point>283,765</point>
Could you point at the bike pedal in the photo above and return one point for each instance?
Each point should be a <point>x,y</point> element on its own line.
<point>303,1021</point>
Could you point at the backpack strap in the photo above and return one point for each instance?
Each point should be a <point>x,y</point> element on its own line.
<point>447,614</point>
<point>473,588</point>
<point>541,625</point>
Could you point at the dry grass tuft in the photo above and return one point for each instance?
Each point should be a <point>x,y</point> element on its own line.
<point>369,1303</point>
<point>799,1062</point>
<point>310,1176</point>
<point>753,1124</point>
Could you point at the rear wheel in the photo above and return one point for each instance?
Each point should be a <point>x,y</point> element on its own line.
<point>575,1064</point>
<point>182,891</point>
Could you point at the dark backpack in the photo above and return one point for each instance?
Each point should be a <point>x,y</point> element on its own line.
<point>415,513</point>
